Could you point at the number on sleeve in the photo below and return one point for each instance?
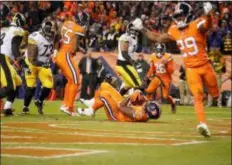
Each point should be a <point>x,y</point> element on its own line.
<point>64,32</point>
<point>2,37</point>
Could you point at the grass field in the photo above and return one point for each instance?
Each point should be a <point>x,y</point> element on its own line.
<point>58,139</point>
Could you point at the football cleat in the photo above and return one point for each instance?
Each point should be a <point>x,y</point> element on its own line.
<point>8,112</point>
<point>25,110</point>
<point>39,106</point>
<point>85,111</point>
<point>203,130</point>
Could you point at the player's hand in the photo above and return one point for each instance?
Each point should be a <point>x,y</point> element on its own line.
<point>138,24</point>
<point>208,7</point>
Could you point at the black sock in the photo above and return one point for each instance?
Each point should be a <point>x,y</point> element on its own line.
<point>11,97</point>
<point>123,91</point>
<point>44,94</point>
<point>4,92</point>
<point>29,94</point>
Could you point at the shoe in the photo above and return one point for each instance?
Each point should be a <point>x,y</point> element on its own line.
<point>39,106</point>
<point>89,103</point>
<point>8,112</point>
<point>25,110</point>
<point>63,108</point>
<point>85,112</point>
<point>203,130</point>
<point>66,110</point>
<point>173,107</point>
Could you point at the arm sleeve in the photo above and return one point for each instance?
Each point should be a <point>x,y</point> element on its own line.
<point>151,70</point>
<point>15,45</point>
<point>170,67</point>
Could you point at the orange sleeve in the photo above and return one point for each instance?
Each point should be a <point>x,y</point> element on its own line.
<point>170,67</point>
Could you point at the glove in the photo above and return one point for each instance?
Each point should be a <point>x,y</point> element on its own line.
<point>207,7</point>
<point>138,24</point>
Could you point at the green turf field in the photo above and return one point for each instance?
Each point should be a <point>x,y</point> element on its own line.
<point>171,140</point>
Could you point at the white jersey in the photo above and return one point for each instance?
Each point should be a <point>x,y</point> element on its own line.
<point>132,45</point>
<point>7,35</point>
<point>45,46</point>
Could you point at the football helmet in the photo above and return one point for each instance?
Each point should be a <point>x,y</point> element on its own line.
<point>160,49</point>
<point>18,20</point>
<point>131,30</point>
<point>182,15</point>
<point>153,109</point>
<point>49,28</point>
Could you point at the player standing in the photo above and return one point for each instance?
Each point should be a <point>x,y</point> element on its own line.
<point>39,52</point>
<point>190,36</point>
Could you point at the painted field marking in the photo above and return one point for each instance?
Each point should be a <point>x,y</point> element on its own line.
<point>77,152</point>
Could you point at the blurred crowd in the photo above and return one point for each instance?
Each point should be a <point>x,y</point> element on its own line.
<point>106,21</point>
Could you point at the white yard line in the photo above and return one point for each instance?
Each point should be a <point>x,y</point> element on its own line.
<point>86,152</point>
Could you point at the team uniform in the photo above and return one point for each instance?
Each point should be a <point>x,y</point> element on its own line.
<point>192,44</point>
<point>109,98</point>
<point>67,62</point>
<point>41,69</point>
<point>9,77</point>
<point>162,75</point>
<point>124,68</point>
<point>43,72</point>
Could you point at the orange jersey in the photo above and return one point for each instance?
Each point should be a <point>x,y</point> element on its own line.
<point>68,32</point>
<point>159,68</point>
<point>191,42</point>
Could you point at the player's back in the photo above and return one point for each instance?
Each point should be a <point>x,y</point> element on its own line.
<point>7,35</point>
<point>68,32</point>
<point>192,43</point>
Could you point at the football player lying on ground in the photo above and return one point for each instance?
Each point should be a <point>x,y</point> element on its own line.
<point>134,108</point>
<point>160,73</point>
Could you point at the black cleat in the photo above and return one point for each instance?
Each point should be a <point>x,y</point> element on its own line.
<point>39,106</point>
<point>173,108</point>
<point>25,110</point>
<point>8,112</point>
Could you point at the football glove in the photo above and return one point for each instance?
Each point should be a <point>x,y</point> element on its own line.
<point>138,24</point>
<point>207,8</point>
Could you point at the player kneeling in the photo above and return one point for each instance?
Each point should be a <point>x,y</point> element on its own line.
<point>134,108</point>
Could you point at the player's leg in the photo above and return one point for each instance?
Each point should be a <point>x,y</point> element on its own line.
<point>195,84</point>
<point>111,106</point>
<point>210,80</point>
<point>11,97</point>
<point>7,84</point>
<point>30,77</point>
<point>129,76</point>
<point>153,85</point>
<point>46,79</point>
<point>166,96</point>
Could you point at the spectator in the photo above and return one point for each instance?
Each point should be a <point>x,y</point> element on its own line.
<point>185,97</point>
<point>218,62</point>
<point>110,40</point>
<point>215,39</point>
<point>33,17</point>
<point>101,72</point>
<point>141,66</point>
<point>227,43</point>
<point>87,66</point>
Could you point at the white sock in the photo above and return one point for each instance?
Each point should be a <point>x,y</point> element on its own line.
<point>8,105</point>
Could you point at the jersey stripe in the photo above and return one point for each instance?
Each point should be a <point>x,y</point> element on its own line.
<point>200,23</point>
<point>71,68</point>
<point>108,108</point>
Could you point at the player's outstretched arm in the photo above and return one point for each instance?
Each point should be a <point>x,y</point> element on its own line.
<point>156,37</point>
